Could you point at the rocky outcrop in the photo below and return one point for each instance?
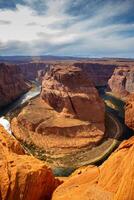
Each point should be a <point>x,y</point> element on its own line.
<point>31,70</point>
<point>99,73</point>
<point>129,111</point>
<point>70,115</point>
<point>69,90</point>
<point>22,177</point>
<point>122,81</point>
<point>113,180</point>
<point>12,84</point>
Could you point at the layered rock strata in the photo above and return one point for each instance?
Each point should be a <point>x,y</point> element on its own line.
<point>31,70</point>
<point>99,73</point>
<point>129,111</point>
<point>122,82</point>
<point>12,84</point>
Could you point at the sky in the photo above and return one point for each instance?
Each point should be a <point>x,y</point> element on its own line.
<point>86,28</point>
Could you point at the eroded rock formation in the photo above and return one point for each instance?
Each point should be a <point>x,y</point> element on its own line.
<point>122,81</point>
<point>129,111</point>
<point>67,118</point>
<point>69,89</point>
<point>99,73</point>
<point>31,70</point>
<point>113,180</point>
<point>22,177</point>
<point>12,84</point>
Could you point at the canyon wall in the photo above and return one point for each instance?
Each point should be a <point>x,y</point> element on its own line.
<point>121,82</point>
<point>12,84</point>
<point>129,111</point>
<point>31,70</point>
<point>99,73</point>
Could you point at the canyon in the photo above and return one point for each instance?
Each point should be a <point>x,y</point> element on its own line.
<point>60,117</point>
<point>31,70</point>
<point>12,84</point>
<point>67,127</point>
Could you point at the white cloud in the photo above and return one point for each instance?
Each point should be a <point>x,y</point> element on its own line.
<point>58,32</point>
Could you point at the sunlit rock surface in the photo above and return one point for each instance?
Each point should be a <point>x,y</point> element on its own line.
<point>22,177</point>
<point>129,111</point>
<point>113,180</point>
<point>121,82</point>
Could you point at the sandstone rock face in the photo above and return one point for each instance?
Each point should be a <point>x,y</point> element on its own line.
<point>68,89</point>
<point>113,180</point>
<point>67,119</point>
<point>22,177</point>
<point>99,73</point>
<point>129,111</point>
<point>30,70</point>
<point>122,81</point>
<point>12,84</point>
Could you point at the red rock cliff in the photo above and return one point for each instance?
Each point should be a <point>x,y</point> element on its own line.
<point>69,89</point>
<point>12,84</point>
<point>129,111</point>
<point>99,73</point>
<point>121,82</point>
<point>30,70</point>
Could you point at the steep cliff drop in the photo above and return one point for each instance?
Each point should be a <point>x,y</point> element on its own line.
<point>129,111</point>
<point>31,70</point>
<point>121,82</point>
<point>12,84</point>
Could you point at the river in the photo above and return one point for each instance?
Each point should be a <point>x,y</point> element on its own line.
<point>8,111</point>
<point>99,153</point>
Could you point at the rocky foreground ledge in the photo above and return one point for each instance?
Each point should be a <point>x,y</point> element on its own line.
<point>113,180</point>
<point>22,177</point>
